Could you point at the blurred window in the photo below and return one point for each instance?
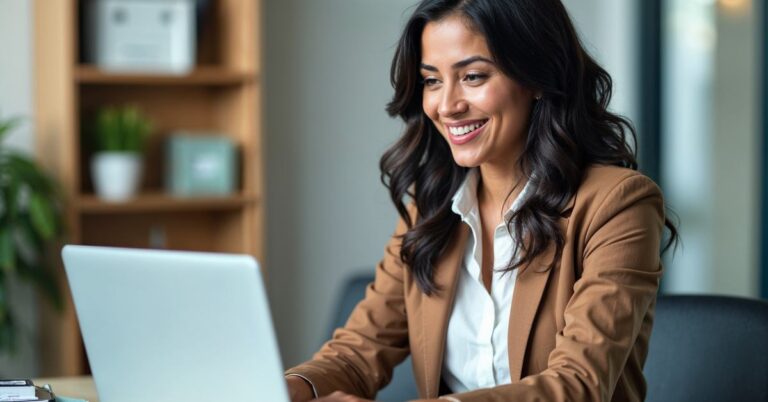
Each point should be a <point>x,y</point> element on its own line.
<point>710,143</point>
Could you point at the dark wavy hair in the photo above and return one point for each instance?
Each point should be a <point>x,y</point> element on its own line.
<point>534,43</point>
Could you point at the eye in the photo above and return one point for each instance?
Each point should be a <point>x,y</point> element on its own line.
<point>475,77</point>
<point>429,81</point>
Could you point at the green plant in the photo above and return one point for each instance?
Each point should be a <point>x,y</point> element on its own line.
<point>30,224</point>
<point>121,129</point>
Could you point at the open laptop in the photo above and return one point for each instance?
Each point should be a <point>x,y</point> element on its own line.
<point>175,326</point>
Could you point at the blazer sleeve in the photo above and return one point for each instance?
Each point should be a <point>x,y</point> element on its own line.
<point>618,286</point>
<point>360,357</point>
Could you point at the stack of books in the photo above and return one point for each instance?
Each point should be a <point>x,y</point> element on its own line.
<point>17,390</point>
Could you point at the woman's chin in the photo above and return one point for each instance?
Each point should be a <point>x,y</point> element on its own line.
<point>466,161</point>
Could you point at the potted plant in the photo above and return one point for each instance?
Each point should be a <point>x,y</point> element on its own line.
<point>119,137</point>
<point>30,223</point>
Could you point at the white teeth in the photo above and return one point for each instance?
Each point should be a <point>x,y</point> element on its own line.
<point>463,130</point>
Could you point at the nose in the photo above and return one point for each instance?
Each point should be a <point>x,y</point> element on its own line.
<point>452,102</point>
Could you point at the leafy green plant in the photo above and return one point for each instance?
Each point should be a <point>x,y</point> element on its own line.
<point>30,224</point>
<point>121,129</point>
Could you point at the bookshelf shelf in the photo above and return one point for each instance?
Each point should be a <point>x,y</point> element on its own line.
<point>159,202</point>
<point>200,76</point>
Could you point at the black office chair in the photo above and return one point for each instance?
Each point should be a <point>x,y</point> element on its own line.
<point>708,348</point>
<point>403,385</point>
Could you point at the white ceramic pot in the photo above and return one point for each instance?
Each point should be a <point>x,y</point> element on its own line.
<point>116,175</point>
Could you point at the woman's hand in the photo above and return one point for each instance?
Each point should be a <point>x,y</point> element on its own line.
<point>298,389</point>
<point>339,396</point>
<point>301,391</point>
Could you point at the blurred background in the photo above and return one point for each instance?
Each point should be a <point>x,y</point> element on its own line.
<point>293,93</point>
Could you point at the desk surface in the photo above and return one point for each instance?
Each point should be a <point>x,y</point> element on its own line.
<point>73,387</point>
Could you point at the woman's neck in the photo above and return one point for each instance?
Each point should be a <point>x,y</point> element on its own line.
<point>499,187</point>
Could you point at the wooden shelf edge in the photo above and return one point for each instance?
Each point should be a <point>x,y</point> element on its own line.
<point>159,202</point>
<point>202,75</point>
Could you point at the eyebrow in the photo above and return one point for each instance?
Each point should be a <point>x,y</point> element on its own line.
<point>459,64</point>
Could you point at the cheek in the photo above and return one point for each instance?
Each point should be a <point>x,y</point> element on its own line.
<point>513,105</point>
<point>429,105</point>
<point>491,99</point>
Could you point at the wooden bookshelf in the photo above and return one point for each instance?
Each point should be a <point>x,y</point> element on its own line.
<point>222,94</point>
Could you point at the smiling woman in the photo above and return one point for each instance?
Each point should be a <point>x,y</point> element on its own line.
<point>526,262</point>
<point>471,96</point>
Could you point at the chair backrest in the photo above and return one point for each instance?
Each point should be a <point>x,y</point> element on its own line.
<point>708,348</point>
<point>403,385</point>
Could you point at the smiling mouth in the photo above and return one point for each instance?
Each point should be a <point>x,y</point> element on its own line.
<point>460,131</point>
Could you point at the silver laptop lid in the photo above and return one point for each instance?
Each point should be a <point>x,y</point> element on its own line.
<point>173,326</point>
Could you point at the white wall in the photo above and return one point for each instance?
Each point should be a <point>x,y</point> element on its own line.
<point>609,31</point>
<point>16,68</point>
<point>16,100</point>
<point>327,83</point>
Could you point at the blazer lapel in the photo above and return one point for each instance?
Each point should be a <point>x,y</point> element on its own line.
<point>436,311</point>
<point>529,289</point>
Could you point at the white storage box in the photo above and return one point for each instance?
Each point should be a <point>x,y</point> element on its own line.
<point>152,36</point>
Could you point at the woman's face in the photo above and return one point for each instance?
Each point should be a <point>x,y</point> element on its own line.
<point>482,113</point>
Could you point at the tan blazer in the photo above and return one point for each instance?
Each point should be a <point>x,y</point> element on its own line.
<point>577,332</point>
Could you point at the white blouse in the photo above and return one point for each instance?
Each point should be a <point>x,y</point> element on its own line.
<point>476,344</point>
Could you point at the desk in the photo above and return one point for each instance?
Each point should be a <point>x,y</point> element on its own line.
<point>73,387</point>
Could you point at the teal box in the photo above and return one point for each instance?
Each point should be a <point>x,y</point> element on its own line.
<point>200,165</point>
